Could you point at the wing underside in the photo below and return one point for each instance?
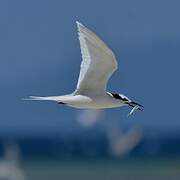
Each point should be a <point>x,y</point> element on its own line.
<point>98,62</point>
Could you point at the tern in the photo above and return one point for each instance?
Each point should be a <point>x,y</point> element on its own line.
<point>97,66</point>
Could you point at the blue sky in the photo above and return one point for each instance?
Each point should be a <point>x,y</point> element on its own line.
<point>40,55</point>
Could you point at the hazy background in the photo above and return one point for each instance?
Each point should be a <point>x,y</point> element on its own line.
<point>40,55</point>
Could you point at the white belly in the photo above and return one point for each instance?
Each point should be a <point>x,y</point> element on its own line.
<point>85,102</point>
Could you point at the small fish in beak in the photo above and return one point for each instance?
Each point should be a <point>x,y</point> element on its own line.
<point>135,106</point>
<point>133,110</point>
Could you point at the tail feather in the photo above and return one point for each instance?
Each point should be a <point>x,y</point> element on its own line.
<point>39,98</point>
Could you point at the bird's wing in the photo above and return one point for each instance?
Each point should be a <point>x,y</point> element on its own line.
<point>98,63</point>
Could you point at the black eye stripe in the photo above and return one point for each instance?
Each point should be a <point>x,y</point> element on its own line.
<point>117,96</point>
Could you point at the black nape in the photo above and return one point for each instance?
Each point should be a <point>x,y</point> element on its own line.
<point>117,96</point>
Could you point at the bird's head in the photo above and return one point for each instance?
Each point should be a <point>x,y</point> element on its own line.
<point>124,99</point>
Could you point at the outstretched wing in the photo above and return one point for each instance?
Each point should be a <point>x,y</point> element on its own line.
<point>98,63</point>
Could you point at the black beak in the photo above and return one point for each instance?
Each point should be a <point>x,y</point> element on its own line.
<point>133,104</point>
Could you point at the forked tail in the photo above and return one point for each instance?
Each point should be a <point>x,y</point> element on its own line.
<point>39,98</point>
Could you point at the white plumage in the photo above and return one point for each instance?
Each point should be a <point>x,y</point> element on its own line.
<point>97,66</point>
<point>98,63</point>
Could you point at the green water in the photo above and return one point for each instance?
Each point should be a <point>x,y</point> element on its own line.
<point>137,169</point>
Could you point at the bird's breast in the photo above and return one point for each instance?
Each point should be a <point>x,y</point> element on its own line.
<point>93,102</point>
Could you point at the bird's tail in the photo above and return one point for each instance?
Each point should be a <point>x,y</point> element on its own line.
<point>39,98</point>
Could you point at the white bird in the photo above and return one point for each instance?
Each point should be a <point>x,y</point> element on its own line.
<point>97,66</point>
<point>10,164</point>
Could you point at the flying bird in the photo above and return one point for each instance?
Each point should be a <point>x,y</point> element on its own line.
<point>97,66</point>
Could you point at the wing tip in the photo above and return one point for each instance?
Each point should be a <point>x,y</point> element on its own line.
<point>78,23</point>
<point>80,26</point>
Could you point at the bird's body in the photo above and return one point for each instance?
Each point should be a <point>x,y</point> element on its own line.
<point>84,101</point>
<point>98,64</point>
